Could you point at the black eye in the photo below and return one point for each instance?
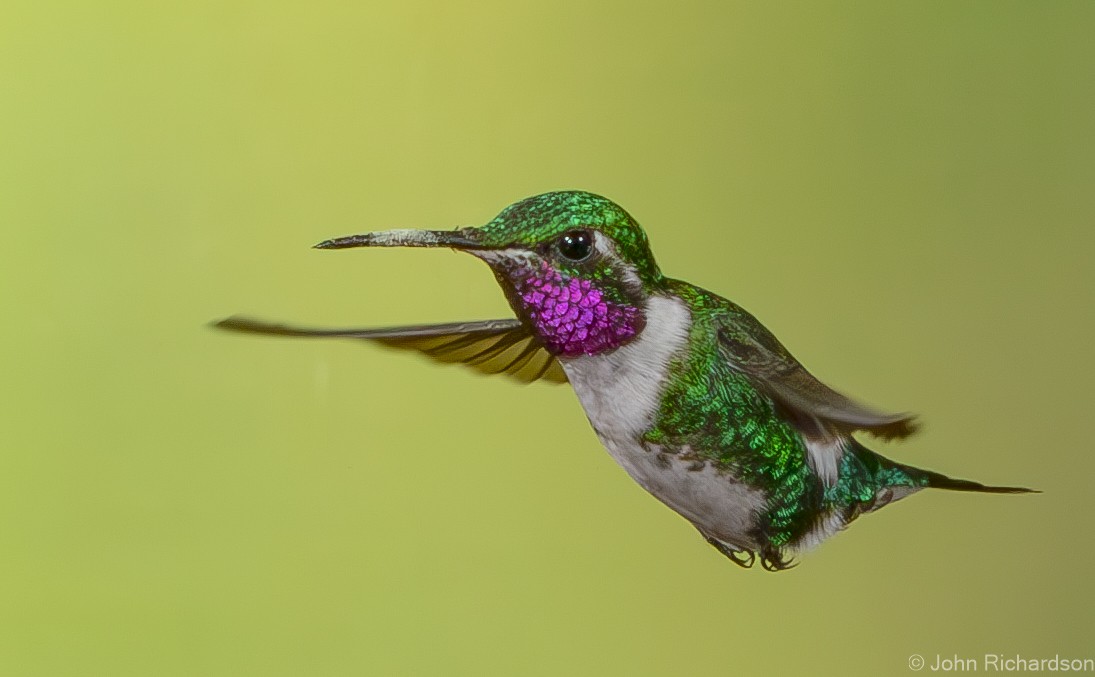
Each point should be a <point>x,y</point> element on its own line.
<point>575,245</point>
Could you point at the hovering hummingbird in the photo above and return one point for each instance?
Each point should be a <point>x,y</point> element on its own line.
<point>688,392</point>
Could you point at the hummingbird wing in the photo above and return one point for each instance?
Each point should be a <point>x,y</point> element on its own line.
<point>489,346</point>
<point>754,351</point>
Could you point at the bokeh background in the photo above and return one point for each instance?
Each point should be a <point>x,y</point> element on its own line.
<point>903,192</point>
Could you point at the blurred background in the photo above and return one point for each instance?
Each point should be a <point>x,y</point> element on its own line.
<point>901,191</point>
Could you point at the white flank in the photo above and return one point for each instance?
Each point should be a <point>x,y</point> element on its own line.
<point>833,521</point>
<point>827,525</point>
<point>824,457</point>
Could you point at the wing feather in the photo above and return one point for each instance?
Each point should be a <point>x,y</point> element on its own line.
<point>488,346</point>
<point>751,349</point>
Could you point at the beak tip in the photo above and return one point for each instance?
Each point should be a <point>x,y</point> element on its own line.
<point>338,243</point>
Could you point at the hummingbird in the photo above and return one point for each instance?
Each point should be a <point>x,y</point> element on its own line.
<point>689,393</point>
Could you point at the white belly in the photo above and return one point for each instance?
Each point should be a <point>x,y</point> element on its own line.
<point>621,392</point>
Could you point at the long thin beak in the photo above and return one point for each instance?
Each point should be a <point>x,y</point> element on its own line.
<point>407,237</point>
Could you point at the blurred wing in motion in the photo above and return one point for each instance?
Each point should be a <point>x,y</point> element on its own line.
<point>751,349</point>
<point>489,346</point>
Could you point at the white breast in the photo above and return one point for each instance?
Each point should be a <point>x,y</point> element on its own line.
<point>621,392</point>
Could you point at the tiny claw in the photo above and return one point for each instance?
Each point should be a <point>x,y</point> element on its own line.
<point>775,562</point>
<point>743,558</point>
<point>737,557</point>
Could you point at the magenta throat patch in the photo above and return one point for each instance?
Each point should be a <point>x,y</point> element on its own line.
<point>573,317</point>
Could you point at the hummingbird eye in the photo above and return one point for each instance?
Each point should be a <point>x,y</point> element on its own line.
<point>575,245</point>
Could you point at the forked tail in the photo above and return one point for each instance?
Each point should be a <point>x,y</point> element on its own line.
<point>936,480</point>
<point>867,481</point>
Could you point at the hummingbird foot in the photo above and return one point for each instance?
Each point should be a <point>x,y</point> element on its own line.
<point>773,560</point>
<point>743,558</point>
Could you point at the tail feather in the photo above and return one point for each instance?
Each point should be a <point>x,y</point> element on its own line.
<point>939,481</point>
<point>867,481</point>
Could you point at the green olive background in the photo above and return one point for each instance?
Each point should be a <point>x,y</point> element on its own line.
<point>903,192</point>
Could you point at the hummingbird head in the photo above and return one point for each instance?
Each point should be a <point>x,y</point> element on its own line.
<point>574,266</point>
